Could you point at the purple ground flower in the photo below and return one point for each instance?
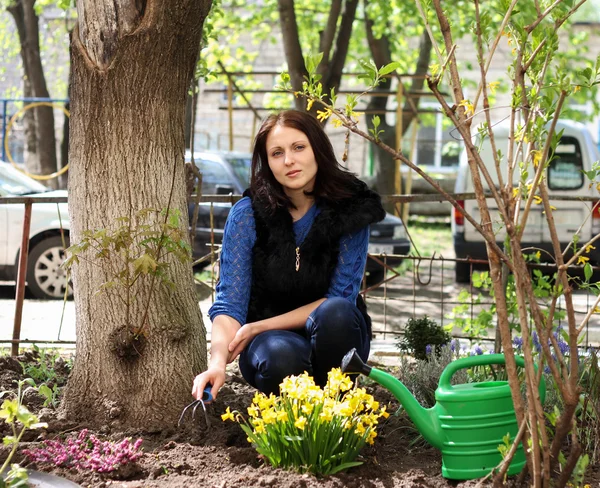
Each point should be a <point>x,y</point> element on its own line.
<point>518,343</point>
<point>428,349</point>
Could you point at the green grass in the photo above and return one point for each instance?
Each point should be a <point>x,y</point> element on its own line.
<point>429,236</point>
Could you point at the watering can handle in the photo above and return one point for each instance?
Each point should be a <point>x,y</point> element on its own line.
<point>481,360</point>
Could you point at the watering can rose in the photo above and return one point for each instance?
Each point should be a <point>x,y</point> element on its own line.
<point>312,429</point>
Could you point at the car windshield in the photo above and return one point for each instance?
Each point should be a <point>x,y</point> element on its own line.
<point>13,182</point>
<point>241,168</point>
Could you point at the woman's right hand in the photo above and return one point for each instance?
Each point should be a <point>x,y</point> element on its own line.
<point>213,375</point>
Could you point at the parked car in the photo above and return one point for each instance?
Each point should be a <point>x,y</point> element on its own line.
<point>575,154</point>
<point>45,277</point>
<point>229,172</point>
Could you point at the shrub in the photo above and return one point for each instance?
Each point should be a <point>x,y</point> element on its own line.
<point>421,377</point>
<point>312,429</point>
<point>420,333</point>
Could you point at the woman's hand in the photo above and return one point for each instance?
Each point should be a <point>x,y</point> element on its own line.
<point>241,339</point>
<point>213,375</point>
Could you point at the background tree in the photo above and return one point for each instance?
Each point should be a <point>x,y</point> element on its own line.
<point>132,62</point>
<point>40,141</point>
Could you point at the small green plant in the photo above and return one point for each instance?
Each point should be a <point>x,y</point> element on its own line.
<point>43,369</point>
<point>312,429</point>
<point>134,255</point>
<point>15,414</point>
<point>421,377</point>
<point>420,333</point>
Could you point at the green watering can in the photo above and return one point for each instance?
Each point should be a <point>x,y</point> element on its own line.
<point>468,421</point>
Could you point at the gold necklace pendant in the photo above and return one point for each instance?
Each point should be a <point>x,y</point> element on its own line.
<point>297,258</point>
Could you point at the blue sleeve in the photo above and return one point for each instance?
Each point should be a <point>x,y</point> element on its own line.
<point>235,264</point>
<point>348,274</point>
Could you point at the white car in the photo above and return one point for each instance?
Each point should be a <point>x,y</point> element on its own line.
<point>45,277</point>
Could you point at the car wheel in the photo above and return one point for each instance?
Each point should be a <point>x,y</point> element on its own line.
<point>462,272</point>
<point>46,279</point>
<point>375,276</point>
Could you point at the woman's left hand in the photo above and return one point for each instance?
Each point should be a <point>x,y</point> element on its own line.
<point>242,337</point>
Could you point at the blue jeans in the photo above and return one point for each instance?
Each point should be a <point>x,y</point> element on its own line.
<point>331,330</point>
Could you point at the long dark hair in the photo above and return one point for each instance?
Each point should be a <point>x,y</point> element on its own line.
<point>332,183</point>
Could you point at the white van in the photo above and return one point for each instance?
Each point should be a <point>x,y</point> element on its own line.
<point>576,153</point>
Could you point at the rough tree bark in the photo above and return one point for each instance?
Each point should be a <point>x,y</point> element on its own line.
<point>40,120</point>
<point>132,62</point>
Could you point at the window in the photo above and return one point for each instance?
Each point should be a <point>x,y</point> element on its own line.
<point>565,171</point>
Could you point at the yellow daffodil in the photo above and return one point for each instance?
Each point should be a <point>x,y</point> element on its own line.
<point>360,429</point>
<point>589,247</point>
<point>371,437</point>
<point>269,416</point>
<point>259,427</point>
<point>582,259</point>
<point>228,415</point>
<point>307,408</point>
<point>300,423</point>
<point>384,413</point>
<point>253,411</point>
<point>282,416</point>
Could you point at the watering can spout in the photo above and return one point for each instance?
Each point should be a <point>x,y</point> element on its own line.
<point>426,420</point>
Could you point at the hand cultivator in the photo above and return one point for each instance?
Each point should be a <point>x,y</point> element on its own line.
<point>206,397</point>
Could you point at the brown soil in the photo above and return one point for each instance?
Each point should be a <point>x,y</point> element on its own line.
<point>221,457</point>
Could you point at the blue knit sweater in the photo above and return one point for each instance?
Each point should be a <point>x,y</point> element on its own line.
<point>233,289</point>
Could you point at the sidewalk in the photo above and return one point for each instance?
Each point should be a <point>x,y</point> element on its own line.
<point>42,322</point>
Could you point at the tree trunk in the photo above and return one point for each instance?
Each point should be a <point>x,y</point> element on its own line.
<point>132,62</point>
<point>384,163</point>
<point>31,158</point>
<point>44,115</point>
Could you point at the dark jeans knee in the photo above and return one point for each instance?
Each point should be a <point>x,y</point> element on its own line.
<point>273,355</point>
<point>334,328</point>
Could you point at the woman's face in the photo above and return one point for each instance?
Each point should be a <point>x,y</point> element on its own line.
<point>291,159</point>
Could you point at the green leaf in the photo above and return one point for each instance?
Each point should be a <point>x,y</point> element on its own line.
<point>588,271</point>
<point>45,391</point>
<point>144,264</point>
<point>9,440</point>
<point>343,466</point>
<point>388,68</point>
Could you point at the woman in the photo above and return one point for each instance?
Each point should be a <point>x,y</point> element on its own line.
<point>294,252</point>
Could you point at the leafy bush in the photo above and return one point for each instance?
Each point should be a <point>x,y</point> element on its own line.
<point>310,429</point>
<point>420,333</point>
<point>421,377</point>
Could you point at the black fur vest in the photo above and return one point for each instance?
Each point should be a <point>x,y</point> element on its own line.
<point>277,287</point>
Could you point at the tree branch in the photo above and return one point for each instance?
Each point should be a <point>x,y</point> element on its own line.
<point>292,48</point>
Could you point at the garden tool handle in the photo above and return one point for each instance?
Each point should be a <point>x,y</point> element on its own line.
<point>207,393</point>
<point>481,360</point>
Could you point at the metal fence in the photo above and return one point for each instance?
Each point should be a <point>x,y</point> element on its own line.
<point>420,286</point>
